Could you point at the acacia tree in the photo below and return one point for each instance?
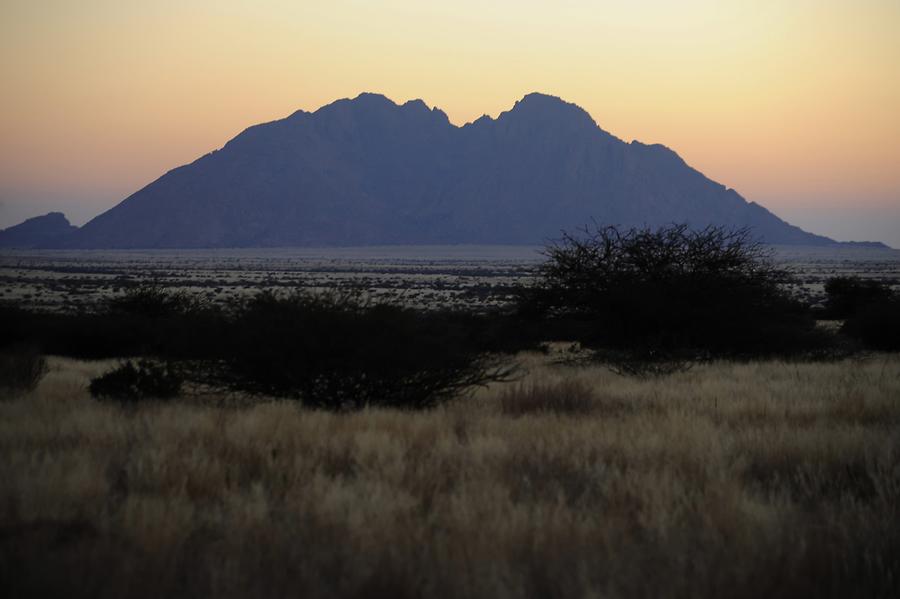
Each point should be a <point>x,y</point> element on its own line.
<point>713,290</point>
<point>333,350</point>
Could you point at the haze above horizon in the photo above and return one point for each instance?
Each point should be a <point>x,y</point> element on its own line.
<point>792,104</point>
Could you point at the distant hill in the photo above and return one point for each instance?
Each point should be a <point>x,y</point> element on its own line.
<point>41,231</point>
<point>367,171</point>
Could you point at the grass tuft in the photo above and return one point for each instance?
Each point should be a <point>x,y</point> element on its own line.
<point>572,397</point>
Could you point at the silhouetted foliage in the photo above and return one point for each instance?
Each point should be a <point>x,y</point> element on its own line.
<point>329,350</point>
<point>334,351</point>
<point>147,321</point>
<point>876,324</point>
<point>870,310</point>
<point>150,322</point>
<point>664,294</point>
<point>132,382</point>
<point>153,300</point>
<point>649,361</point>
<point>21,368</point>
<point>848,295</point>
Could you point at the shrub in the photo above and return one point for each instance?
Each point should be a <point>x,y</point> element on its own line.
<point>147,321</point>
<point>566,397</point>
<point>137,381</point>
<point>649,361</point>
<point>21,368</point>
<point>333,350</point>
<point>848,295</point>
<point>152,300</point>
<point>870,309</point>
<point>670,290</point>
<point>876,325</point>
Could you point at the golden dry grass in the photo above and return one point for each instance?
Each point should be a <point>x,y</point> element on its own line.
<point>739,480</point>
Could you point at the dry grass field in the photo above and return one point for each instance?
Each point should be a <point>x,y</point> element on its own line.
<point>729,480</point>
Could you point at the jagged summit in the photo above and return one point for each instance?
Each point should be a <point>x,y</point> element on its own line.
<point>417,104</point>
<point>541,105</point>
<point>372,100</point>
<point>368,171</point>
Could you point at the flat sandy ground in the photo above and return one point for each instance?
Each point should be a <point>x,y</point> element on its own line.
<point>430,277</point>
<point>731,480</point>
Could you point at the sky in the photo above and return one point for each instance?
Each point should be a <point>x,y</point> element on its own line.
<point>794,103</point>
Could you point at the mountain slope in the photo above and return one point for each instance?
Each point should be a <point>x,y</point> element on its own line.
<point>368,171</point>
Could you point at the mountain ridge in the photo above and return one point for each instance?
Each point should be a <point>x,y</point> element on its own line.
<point>369,171</point>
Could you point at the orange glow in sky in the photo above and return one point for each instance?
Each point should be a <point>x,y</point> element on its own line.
<point>794,103</point>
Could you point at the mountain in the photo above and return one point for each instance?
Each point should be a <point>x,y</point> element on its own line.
<point>41,231</point>
<point>367,171</point>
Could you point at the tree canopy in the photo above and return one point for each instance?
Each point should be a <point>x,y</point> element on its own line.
<point>714,290</point>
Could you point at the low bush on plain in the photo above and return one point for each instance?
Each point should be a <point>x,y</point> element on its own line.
<point>877,325</point>
<point>147,320</point>
<point>847,296</point>
<point>328,350</point>
<point>649,360</point>
<point>153,300</point>
<point>671,291</point>
<point>335,351</point>
<point>870,310</point>
<point>135,381</point>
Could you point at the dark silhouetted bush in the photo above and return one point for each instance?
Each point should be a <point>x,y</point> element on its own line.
<point>651,361</point>
<point>330,350</point>
<point>21,368</point>
<point>147,321</point>
<point>334,351</point>
<point>876,324</point>
<point>870,310</point>
<point>672,291</point>
<point>153,300</point>
<point>848,295</point>
<point>138,381</point>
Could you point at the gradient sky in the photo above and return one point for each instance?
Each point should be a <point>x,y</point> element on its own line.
<point>794,103</point>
